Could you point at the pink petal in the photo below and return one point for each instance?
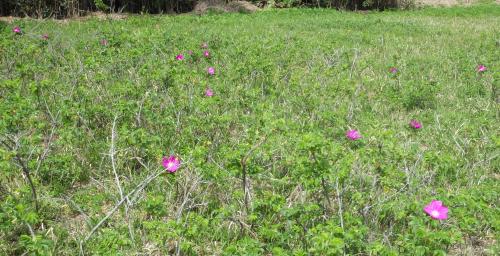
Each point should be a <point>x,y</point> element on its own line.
<point>443,212</point>
<point>171,163</point>
<point>209,92</point>
<point>436,210</point>
<point>428,209</point>
<point>415,124</point>
<point>165,162</point>
<point>353,135</point>
<point>211,71</point>
<point>436,203</point>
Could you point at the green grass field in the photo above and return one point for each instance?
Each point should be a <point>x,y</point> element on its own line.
<point>266,168</point>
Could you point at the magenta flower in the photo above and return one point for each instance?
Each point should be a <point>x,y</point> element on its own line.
<point>436,210</point>
<point>206,54</point>
<point>415,124</point>
<point>179,57</point>
<point>211,71</point>
<point>45,37</point>
<point>171,163</point>
<point>16,30</point>
<point>481,68</point>
<point>204,45</point>
<point>104,42</point>
<point>209,92</point>
<point>353,135</point>
<point>393,70</point>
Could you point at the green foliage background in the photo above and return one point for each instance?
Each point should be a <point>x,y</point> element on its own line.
<point>288,84</point>
<point>72,8</point>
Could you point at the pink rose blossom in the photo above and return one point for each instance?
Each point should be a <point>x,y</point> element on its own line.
<point>211,71</point>
<point>481,68</point>
<point>436,210</point>
<point>415,124</point>
<point>16,30</point>
<point>209,92</point>
<point>179,57</point>
<point>171,163</point>
<point>393,70</point>
<point>353,135</point>
<point>206,54</point>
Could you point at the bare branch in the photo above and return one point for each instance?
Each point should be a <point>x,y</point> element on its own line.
<point>243,163</point>
<point>112,153</point>
<point>136,190</point>
<point>26,172</point>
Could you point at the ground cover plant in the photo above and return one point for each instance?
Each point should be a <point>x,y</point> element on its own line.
<point>284,132</point>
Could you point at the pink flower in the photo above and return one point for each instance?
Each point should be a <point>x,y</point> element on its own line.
<point>209,92</point>
<point>480,68</point>
<point>206,54</point>
<point>353,135</point>
<point>393,70</point>
<point>45,37</point>
<point>415,124</point>
<point>211,71</point>
<point>104,42</point>
<point>436,210</point>
<point>179,57</point>
<point>204,45</point>
<point>190,52</point>
<point>171,163</point>
<point>16,30</point>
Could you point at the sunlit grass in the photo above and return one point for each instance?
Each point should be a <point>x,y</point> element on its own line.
<point>287,86</point>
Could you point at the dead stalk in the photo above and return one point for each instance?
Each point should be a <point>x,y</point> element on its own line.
<point>134,192</point>
<point>243,164</point>
<point>339,201</point>
<point>112,153</point>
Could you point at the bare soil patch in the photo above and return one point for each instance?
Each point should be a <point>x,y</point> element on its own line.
<point>445,2</point>
<point>221,6</point>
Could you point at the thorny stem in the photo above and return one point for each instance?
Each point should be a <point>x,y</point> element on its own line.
<point>324,185</point>
<point>325,193</point>
<point>27,174</point>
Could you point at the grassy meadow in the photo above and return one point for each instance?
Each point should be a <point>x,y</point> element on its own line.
<point>90,107</point>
